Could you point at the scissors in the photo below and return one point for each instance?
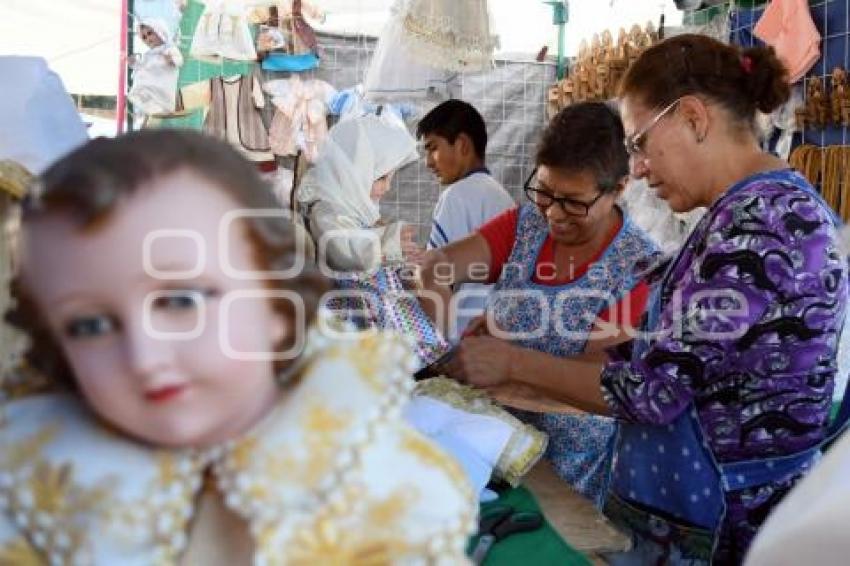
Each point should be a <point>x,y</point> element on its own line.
<point>499,522</point>
<point>436,367</point>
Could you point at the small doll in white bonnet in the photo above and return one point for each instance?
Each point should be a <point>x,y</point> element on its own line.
<point>155,72</point>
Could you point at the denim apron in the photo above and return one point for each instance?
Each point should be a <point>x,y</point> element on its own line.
<point>557,320</point>
<point>671,469</point>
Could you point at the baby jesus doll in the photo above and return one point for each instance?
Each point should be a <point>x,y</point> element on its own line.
<point>194,419</point>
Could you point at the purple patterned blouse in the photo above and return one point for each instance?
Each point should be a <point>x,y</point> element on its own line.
<point>749,332</point>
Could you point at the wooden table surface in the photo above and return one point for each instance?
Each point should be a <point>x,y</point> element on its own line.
<point>571,515</point>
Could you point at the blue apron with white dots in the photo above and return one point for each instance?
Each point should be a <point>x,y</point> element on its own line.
<point>665,479</point>
<point>557,320</point>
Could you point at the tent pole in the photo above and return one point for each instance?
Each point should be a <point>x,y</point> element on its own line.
<point>121,101</point>
<point>560,17</point>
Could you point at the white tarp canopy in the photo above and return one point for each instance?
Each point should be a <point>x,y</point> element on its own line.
<point>80,38</point>
<point>523,26</point>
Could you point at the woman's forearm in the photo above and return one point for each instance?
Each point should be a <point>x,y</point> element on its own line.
<point>443,269</point>
<point>573,381</point>
<point>435,300</point>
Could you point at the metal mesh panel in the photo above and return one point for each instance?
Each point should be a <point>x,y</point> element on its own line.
<point>511,98</point>
<point>832,18</point>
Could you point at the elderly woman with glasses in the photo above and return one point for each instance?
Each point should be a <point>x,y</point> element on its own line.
<point>724,402</point>
<point>564,265</point>
<point>736,383</point>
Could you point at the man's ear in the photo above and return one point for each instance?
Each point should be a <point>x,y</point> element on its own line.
<point>464,144</point>
<point>621,186</point>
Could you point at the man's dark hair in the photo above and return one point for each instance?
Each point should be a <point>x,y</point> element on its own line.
<point>452,118</point>
<point>587,136</point>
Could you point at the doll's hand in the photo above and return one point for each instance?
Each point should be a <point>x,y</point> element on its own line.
<point>132,60</point>
<point>482,361</point>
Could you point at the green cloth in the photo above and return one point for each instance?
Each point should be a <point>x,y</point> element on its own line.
<point>542,547</point>
<point>196,70</point>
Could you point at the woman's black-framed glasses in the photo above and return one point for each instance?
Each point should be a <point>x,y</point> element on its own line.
<point>569,206</point>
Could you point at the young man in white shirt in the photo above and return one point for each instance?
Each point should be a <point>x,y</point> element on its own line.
<point>455,139</point>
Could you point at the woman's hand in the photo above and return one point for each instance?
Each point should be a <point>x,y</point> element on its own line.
<point>436,293</point>
<point>433,269</point>
<point>413,254</point>
<point>483,361</point>
<point>477,327</point>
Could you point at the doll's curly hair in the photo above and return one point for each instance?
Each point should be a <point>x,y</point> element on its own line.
<point>91,181</point>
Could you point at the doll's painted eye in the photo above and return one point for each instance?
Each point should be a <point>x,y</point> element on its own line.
<point>90,326</point>
<point>183,299</point>
<point>179,301</point>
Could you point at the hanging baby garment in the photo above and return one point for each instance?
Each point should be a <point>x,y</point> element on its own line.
<point>787,26</point>
<point>289,18</point>
<point>393,73</point>
<point>424,42</point>
<point>154,89</point>
<point>286,40</point>
<point>300,121</point>
<point>350,102</point>
<point>223,31</point>
<point>449,34</point>
<point>234,114</point>
<point>303,36</point>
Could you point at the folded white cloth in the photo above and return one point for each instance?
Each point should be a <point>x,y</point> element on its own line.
<point>476,441</point>
<point>476,430</point>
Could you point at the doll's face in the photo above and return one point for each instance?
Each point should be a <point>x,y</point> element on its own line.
<point>116,318</point>
<point>149,36</point>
